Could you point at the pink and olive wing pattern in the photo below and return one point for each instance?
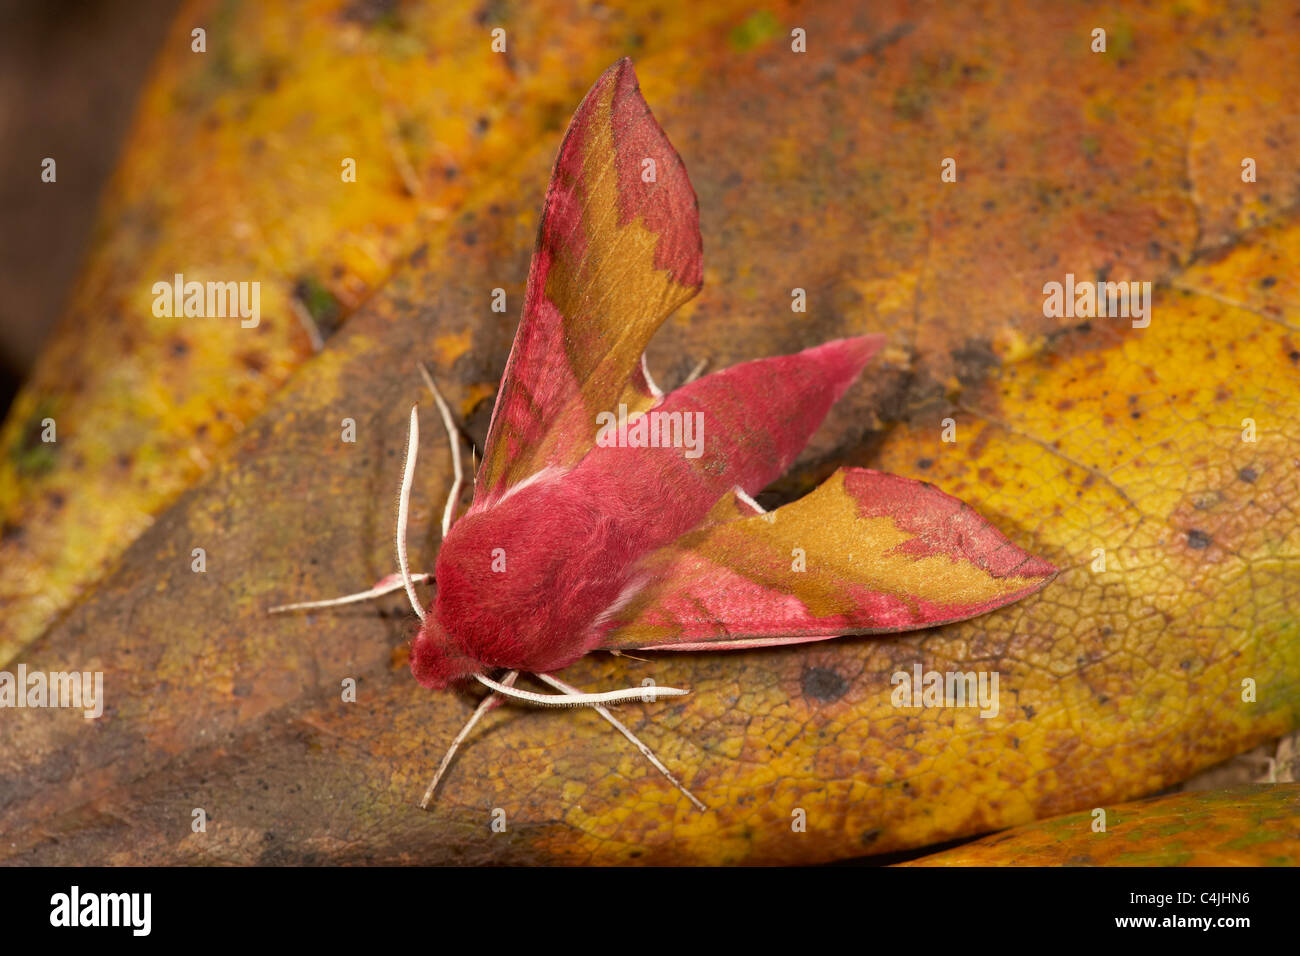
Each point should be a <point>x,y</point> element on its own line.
<point>865,553</point>
<point>618,250</point>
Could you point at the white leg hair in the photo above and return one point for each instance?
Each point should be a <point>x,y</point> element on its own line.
<point>458,481</point>
<point>619,726</point>
<point>404,508</point>
<point>579,699</point>
<point>385,585</point>
<point>488,702</point>
<point>406,578</point>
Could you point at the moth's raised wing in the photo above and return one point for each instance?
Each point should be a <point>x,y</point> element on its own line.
<point>618,250</point>
<point>865,553</point>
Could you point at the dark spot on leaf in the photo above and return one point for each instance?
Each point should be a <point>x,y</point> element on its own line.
<point>255,362</point>
<point>870,836</point>
<point>1198,540</point>
<point>1268,282</point>
<point>1248,475</point>
<point>320,304</point>
<point>492,11</point>
<point>924,463</point>
<point>821,683</point>
<point>370,13</point>
<point>973,361</point>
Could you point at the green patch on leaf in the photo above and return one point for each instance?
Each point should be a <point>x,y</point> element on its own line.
<point>1120,41</point>
<point>32,455</point>
<point>758,29</point>
<point>325,310</point>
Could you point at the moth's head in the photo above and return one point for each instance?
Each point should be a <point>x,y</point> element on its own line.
<point>436,659</point>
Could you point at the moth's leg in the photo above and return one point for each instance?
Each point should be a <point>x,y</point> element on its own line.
<point>385,585</point>
<point>458,481</point>
<point>1270,771</point>
<point>631,657</point>
<point>389,583</point>
<point>696,372</point>
<point>622,729</point>
<point>488,702</point>
<point>404,508</point>
<point>578,699</point>
<point>404,578</point>
<point>655,390</point>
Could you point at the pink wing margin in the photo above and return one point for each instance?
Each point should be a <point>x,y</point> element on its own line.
<point>866,553</point>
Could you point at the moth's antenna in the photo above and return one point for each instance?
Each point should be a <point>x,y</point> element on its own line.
<point>488,702</point>
<point>459,477</point>
<point>578,699</point>
<point>404,507</point>
<point>386,585</point>
<point>618,725</point>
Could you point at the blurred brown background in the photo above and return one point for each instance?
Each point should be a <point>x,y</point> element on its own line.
<point>70,71</point>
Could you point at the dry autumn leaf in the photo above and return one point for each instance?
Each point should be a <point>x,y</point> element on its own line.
<point>1244,826</point>
<point>1070,436</point>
